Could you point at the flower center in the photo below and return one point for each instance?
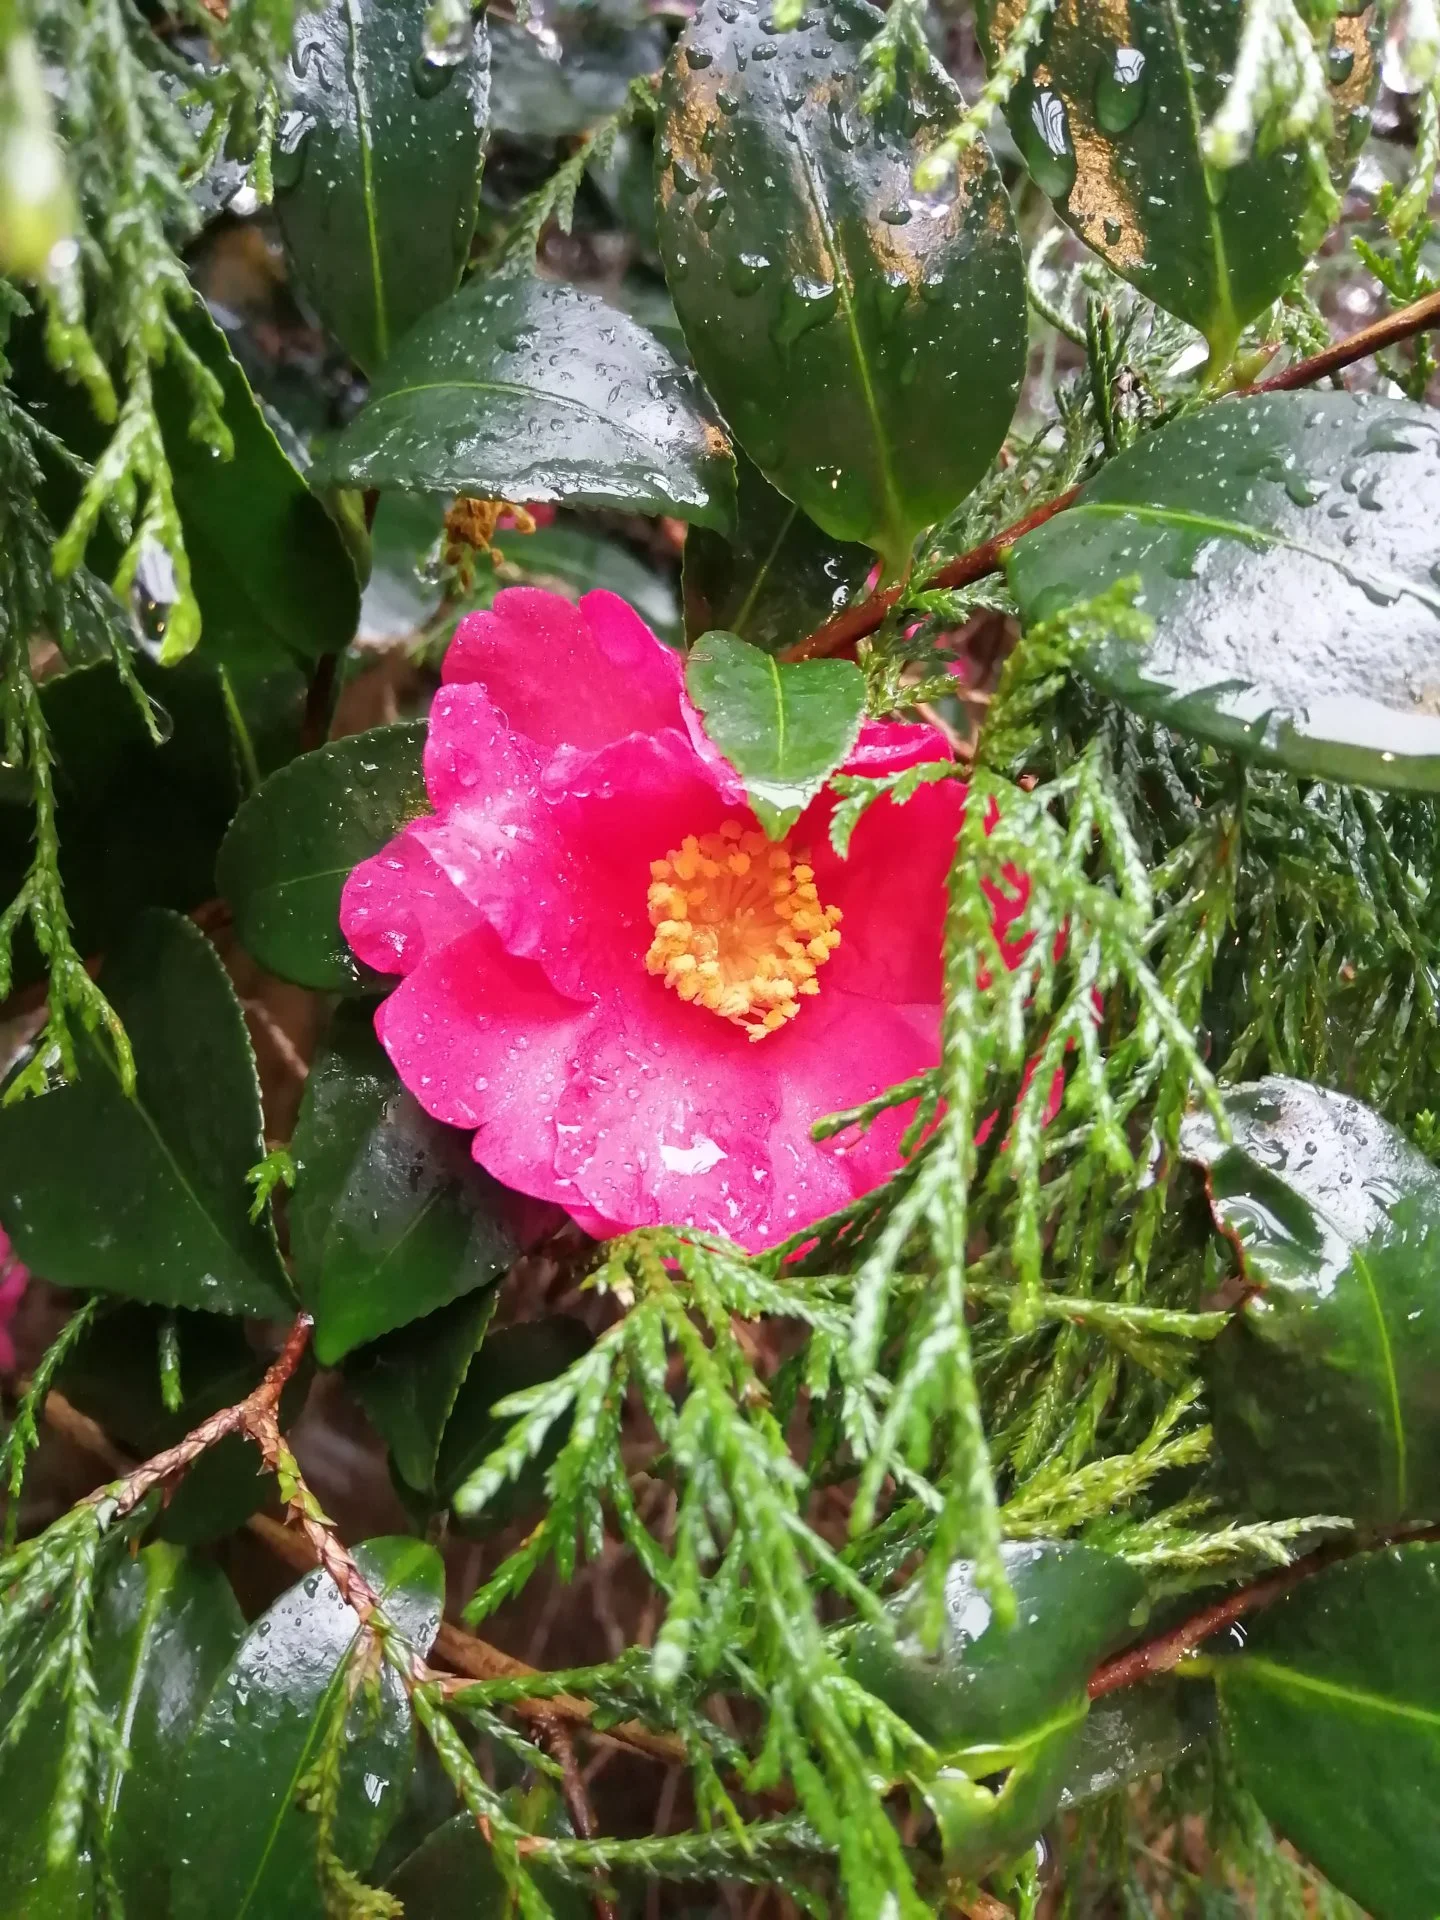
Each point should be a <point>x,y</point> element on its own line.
<point>739,927</point>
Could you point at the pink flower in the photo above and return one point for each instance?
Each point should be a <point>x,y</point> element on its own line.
<point>14,1278</point>
<point>638,1004</point>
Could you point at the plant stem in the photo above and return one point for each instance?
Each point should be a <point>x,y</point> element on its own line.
<point>840,634</point>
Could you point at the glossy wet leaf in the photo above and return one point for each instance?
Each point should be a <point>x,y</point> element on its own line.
<point>162,1213</point>
<point>166,1625</point>
<point>1322,1388</point>
<point>1284,547</point>
<point>275,582</point>
<point>981,1823</point>
<point>408,1382</point>
<point>866,343</point>
<point>242,1847</point>
<point>524,390</point>
<point>988,1686</point>
<point>776,578</point>
<point>1109,119</point>
<point>1333,1715</point>
<point>288,854</point>
<point>377,165</point>
<point>113,1374</point>
<point>784,728</point>
<point>139,824</point>
<point>515,1357</point>
<point>1134,1734</point>
<point>390,1217</point>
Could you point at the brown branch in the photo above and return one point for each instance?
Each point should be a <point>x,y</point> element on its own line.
<point>841,633</point>
<point>1167,1650</point>
<point>577,1801</point>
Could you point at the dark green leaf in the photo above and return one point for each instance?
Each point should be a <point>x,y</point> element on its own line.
<point>390,1217</point>
<point>1333,1715</point>
<point>989,1686</point>
<point>981,1825</point>
<point>1284,546</point>
<point>162,1212</point>
<point>1110,118</point>
<point>776,579</point>
<point>113,1374</point>
<point>1323,1387</point>
<point>1133,1734</point>
<point>274,580</point>
<point>408,1382</point>
<point>378,166</point>
<point>516,1357</point>
<point>524,390</point>
<point>784,729</point>
<point>866,344</point>
<point>452,1876</point>
<point>166,1625</point>
<point>544,93</point>
<point>139,824</point>
<point>242,1846</point>
<point>286,858</point>
<point>397,597</point>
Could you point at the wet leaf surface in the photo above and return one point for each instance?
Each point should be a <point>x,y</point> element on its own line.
<point>1109,119</point>
<point>162,1213</point>
<point>1285,549</point>
<point>1133,1734</point>
<point>390,1217</point>
<point>242,1848</point>
<point>521,1356</point>
<point>784,728</point>
<point>1333,1716</point>
<point>548,88</point>
<point>865,342</point>
<point>520,389</point>
<point>1323,1387</point>
<point>285,860</point>
<point>408,1382</point>
<point>377,165</point>
<point>776,578</point>
<point>166,1626</point>
<point>452,1876</point>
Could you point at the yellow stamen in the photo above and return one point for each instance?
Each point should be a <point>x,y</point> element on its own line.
<point>739,928</point>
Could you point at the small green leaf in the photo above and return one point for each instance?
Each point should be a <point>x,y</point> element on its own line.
<point>776,578</point>
<point>408,1382</point>
<point>991,1687</point>
<point>784,728</point>
<point>1110,119</point>
<point>162,1213</point>
<point>1333,1717</point>
<point>166,1626</point>
<point>113,1374</point>
<point>452,1873</point>
<point>242,1848</point>
<point>290,849</point>
<point>390,1217</point>
<point>1133,1734</point>
<point>520,389</point>
<point>1284,546</point>
<point>867,344</point>
<point>521,1356</point>
<point>377,166</point>
<point>1322,1388</point>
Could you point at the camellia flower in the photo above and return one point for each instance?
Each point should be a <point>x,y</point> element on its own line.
<point>638,1003</point>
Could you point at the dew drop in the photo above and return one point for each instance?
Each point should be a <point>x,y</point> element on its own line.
<point>1339,64</point>
<point>709,207</point>
<point>1047,146</point>
<point>1113,232</point>
<point>897,214</point>
<point>804,304</point>
<point>686,179</point>
<point>698,58</point>
<point>745,271</point>
<point>1120,90</point>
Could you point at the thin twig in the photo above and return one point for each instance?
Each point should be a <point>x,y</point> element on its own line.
<point>841,633</point>
<point>1167,1650</point>
<point>577,1801</point>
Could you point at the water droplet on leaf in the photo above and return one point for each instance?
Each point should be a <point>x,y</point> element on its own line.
<point>1120,90</point>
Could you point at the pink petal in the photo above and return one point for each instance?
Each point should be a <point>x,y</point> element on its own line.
<point>399,905</point>
<point>567,675</point>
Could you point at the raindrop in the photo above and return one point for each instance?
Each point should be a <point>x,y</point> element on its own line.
<point>891,293</point>
<point>698,58</point>
<point>1339,64</point>
<point>686,179</point>
<point>745,271</point>
<point>709,207</point>
<point>431,76</point>
<point>728,13</point>
<point>1113,231</point>
<point>153,593</point>
<point>1047,146</point>
<point>1120,90</point>
<point>292,138</point>
<point>726,102</point>
<point>804,304</point>
<point>897,214</point>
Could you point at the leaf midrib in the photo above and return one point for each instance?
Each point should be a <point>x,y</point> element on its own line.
<point>1197,134</point>
<point>1294,1679</point>
<point>530,394</point>
<point>367,179</point>
<point>1392,1384</point>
